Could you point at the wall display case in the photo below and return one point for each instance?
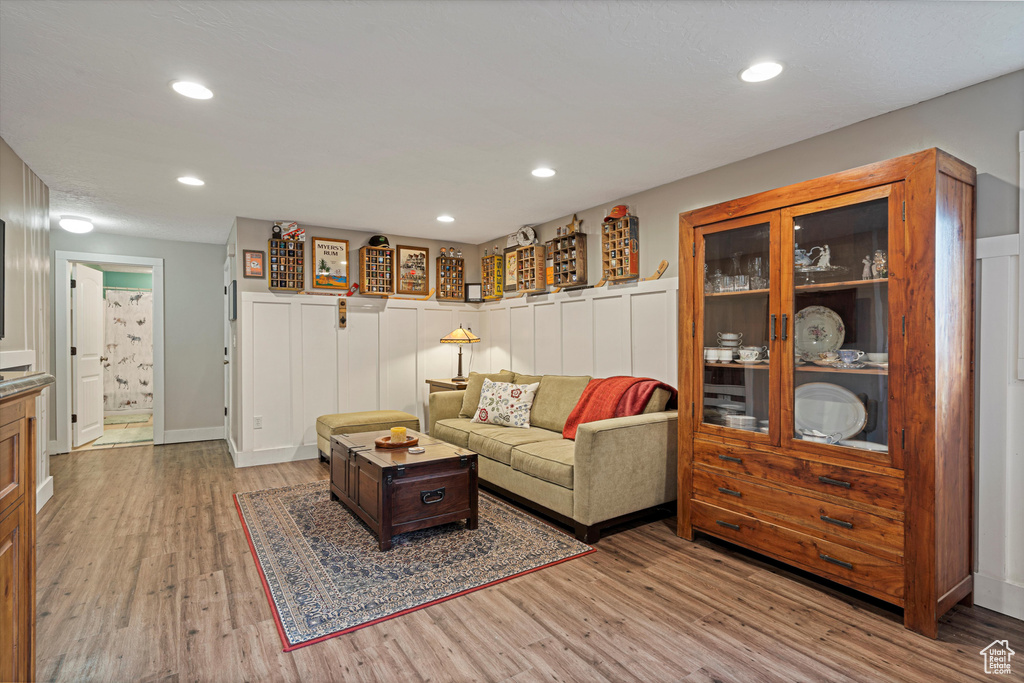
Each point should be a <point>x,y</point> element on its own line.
<point>620,249</point>
<point>287,271</point>
<point>413,270</point>
<point>826,337</point>
<point>530,268</point>
<point>451,278</point>
<point>492,272</point>
<point>569,260</point>
<point>376,271</point>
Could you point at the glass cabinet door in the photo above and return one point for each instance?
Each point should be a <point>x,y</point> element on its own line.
<point>732,329</point>
<point>836,386</point>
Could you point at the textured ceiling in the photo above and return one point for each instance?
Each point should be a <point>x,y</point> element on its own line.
<point>382,115</point>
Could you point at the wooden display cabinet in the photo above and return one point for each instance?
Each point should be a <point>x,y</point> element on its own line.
<point>287,267</point>
<point>883,502</point>
<point>530,269</point>
<point>620,249</point>
<point>492,271</point>
<point>451,278</point>
<point>376,271</point>
<point>569,260</point>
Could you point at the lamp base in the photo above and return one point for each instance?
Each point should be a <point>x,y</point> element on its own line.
<point>460,379</point>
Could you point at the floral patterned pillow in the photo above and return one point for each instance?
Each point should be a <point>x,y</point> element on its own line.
<point>505,405</point>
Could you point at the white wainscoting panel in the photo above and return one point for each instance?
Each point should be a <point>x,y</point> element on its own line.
<point>547,325</point>
<point>578,337</point>
<point>612,338</point>
<point>522,338</point>
<point>400,343</point>
<point>319,362</point>
<point>272,383</point>
<point>498,339</point>
<point>653,316</point>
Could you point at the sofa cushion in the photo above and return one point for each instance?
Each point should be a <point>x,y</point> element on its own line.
<point>527,379</point>
<point>366,421</point>
<point>556,397</point>
<point>504,404</point>
<point>455,431</point>
<point>658,400</point>
<point>471,399</point>
<point>497,443</point>
<point>551,461</point>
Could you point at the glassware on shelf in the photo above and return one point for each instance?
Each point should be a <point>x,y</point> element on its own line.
<point>717,284</point>
<point>880,264</point>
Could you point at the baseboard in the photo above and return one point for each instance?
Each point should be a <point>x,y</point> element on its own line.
<point>186,435</point>
<point>44,492</point>
<point>53,448</point>
<point>273,456</point>
<point>999,595</point>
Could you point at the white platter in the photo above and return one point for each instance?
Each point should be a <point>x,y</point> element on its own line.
<point>817,330</point>
<point>828,408</point>
<point>865,445</point>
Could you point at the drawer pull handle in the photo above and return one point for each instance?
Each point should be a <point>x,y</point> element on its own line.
<point>845,565</point>
<point>730,492</point>
<point>430,497</point>
<point>729,458</point>
<point>734,527</point>
<point>834,482</point>
<point>837,522</point>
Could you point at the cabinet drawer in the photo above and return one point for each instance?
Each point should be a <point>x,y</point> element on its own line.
<point>11,412</point>
<point>426,497</point>
<point>833,480</point>
<point>824,519</point>
<point>865,572</point>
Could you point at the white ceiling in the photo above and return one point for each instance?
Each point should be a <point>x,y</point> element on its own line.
<point>382,115</point>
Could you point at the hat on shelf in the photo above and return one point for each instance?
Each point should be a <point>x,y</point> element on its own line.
<point>618,211</point>
<point>379,241</point>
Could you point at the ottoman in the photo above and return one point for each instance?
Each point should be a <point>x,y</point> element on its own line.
<point>353,423</point>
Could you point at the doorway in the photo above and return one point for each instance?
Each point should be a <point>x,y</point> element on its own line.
<point>109,318</point>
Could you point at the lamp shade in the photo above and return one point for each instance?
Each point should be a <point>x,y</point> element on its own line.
<point>460,336</point>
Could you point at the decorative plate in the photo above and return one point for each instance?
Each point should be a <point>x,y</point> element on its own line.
<point>828,408</point>
<point>865,445</point>
<point>816,330</point>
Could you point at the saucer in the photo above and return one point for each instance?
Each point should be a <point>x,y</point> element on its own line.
<point>849,366</point>
<point>750,362</point>
<point>883,366</point>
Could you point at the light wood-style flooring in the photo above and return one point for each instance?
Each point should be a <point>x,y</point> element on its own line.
<point>145,575</point>
<point>91,446</point>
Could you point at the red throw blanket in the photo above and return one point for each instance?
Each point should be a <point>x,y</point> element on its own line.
<point>612,397</point>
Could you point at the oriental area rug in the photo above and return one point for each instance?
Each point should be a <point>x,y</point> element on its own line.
<point>324,575</point>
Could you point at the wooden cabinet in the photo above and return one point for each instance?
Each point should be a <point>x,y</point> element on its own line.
<point>826,346</point>
<point>492,272</point>
<point>451,279</point>
<point>620,249</point>
<point>530,268</point>
<point>287,271</point>
<point>376,271</point>
<point>17,534</point>
<point>569,260</point>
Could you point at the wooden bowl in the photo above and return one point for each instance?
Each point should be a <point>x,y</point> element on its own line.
<point>385,442</point>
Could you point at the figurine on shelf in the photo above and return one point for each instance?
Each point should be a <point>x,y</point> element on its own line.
<point>825,258</point>
<point>458,254</point>
<point>866,273</point>
<point>880,265</point>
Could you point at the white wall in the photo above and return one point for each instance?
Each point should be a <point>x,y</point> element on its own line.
<point>297,364</point>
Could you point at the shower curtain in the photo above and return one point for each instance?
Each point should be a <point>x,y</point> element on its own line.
<point>128,339</point>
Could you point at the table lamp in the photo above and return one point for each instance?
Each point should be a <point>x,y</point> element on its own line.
<point>460,336</point>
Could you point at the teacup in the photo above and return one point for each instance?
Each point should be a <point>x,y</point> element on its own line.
<point>850,355</point>
<point>829,356</point>
<point>730,336</point>
<point>751,353</point>
<point>724,355</point>
<point>733,343</point>
<point>877,357</point>
<point>710,354</point>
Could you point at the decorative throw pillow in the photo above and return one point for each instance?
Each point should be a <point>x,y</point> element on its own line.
<point>505,405</point>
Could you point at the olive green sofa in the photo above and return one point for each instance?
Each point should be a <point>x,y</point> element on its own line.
<point>614,470</point>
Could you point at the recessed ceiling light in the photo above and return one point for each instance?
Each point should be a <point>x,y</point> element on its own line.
<point>761,72</point>
<point>193,90</point>
<point>189,180</point>
<point>543,172</point>
<point>445,219</point>
<point>75,224</point>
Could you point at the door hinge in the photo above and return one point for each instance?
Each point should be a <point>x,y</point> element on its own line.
<point>225,411</point>
<point>693,329</point>
<point>904,326</point>
<point>74,283</point>
<point>694,245</point>
<point>74,350</point>
<point>693,410</point>
<point>903,438</point>
<point>225,290</point>
<point>74,418</point>
<point>904,211</point>
<point>225,350</point>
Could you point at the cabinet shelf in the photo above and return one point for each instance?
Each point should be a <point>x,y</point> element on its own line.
<point>737,293</point>
<point>820,286</point>
<point>801,368</point>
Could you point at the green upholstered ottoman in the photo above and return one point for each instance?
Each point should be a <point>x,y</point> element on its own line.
<point>353,423</point>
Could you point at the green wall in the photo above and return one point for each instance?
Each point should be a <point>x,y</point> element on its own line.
<point>127,280</point>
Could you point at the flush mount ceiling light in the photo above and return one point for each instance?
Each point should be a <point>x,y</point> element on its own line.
<point>543,172</point>
<point>75,224</point>
<point>761,72</point>
<point>446,219</point>
<point>189,180</point>
<point>193,90</point>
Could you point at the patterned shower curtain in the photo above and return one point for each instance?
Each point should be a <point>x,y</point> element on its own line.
<point>128,336</point>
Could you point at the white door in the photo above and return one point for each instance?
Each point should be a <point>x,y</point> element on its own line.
<point>227,356</point>
<point>86,363</point>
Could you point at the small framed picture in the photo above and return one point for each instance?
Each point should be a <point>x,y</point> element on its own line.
<point>413,270</point>
<point>253,263</point>
<point>510,269</point>
<point>330,263</point>
<point>474,292</point>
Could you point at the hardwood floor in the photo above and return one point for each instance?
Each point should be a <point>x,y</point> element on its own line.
<point>145,575</point>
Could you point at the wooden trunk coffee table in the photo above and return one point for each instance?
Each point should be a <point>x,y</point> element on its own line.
<point>395,491</point>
